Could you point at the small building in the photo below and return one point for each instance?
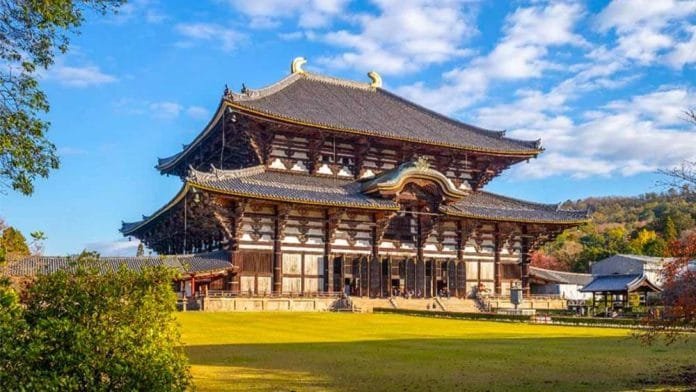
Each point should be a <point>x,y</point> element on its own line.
<point>566,285</point>
<point>618,276</point>
<point>197,273</point>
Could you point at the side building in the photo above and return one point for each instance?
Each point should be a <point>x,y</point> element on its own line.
<point>322,185</point>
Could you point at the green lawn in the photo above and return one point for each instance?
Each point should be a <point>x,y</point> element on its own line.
<point>375,352</point>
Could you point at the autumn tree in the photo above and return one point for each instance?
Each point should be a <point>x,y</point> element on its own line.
<point>32,32</point>
<point>678,295</point>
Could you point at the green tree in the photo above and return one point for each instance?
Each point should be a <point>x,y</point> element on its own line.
<point>94,329</point>
<point>140,251</point>
<point>670,230</point>
<point>31,33</point>
<point>13,243</point>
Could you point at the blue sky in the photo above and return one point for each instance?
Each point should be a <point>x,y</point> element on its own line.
<point>601,83</point>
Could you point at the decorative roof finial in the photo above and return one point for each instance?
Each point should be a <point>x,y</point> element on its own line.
<point>226,92</point>
<point>296,66</point>
<point>376,80</point>
<point>244,89</point>
<point>422,164</point>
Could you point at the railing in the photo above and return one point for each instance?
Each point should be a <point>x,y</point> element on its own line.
<point>234,294</point>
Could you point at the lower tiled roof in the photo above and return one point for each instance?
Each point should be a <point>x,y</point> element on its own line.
<point>489,206</point>
<point>562,277</point>
<point>260,182</point>
<point>197,263</point>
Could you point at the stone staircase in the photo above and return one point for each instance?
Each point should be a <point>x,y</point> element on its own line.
<point>463,305</point>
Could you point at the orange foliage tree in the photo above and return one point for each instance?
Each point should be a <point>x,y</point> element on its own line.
<point>678,295</point>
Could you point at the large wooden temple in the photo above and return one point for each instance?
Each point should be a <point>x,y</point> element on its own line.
<point>322,185</point>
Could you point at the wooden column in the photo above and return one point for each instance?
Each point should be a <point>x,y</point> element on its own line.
<point>278,229</point>
<point>433,272</point>
<point>235,216</point>
<point>389,276</point>
<point>525,259</point>
<point>497,267</point>
<point>331,220</point>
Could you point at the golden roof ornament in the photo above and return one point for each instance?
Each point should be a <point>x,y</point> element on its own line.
<point>422,164</point>
<point>376,80</point>
<point>296,66</point>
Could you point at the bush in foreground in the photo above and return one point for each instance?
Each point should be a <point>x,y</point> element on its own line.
<point>90,329</point>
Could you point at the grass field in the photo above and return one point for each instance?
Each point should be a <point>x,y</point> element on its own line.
<point>380,352</point>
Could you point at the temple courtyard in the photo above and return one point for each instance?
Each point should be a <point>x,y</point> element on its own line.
<point>361,352</point>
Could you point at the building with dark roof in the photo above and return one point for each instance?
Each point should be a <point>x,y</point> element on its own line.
<point>616,277</point>
<point>317,184</point>
<point>204,270</point>
<point>564,284</point>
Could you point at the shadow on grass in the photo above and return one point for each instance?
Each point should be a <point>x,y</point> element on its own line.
<point>524,364</point>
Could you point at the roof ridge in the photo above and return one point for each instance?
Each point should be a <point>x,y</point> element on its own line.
<point>195,175</point>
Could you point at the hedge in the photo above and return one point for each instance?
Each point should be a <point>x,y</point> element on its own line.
<point>455,315</point>
<point>584,321</point>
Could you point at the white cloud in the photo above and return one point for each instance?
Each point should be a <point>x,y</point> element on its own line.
<point>85,76</point>
<point>121,247</point>
<point>684,53</point>
<point>146,10</point>
<point>626,137</point>
<point>227,39</point>
<point>309,13</point>
<point>646,28</point>
<point>521,53</point>
<point>165,109</point>
<point>197,112</point>
<point>404,36</point>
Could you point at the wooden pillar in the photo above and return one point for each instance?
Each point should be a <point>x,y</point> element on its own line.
<point>328,263</point>
<point>236,215</point>
<point>193,286</point>
<point>277,254</point>
<point>433,272</point>
<point>525,259</point>
<point>497,266</point>
<point>389,277</point>
<point>374,257</point>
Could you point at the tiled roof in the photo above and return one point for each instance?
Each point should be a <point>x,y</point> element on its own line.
<point>560,276</point>
<point>614,283</point>
<point>262,183</point>
<point>485,205</point>
<point>196,263</point>
<point>350,106</point>
<point>347,106</point>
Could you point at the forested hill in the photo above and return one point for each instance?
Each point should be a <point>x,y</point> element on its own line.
<point>644,224</point>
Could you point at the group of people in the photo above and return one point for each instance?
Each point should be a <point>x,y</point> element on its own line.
<point>407,294</point>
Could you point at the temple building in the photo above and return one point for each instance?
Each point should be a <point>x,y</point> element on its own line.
<point>323,185</point>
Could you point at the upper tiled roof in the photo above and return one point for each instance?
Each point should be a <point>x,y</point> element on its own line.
<point>196,263</point>
<point>560,276</point>
<point>485,205</point>
<point>343,105</point>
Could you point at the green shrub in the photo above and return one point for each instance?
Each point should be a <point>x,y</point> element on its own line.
<point>93,330</point>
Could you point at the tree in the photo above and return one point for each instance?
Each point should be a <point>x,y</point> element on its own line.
<point>140,251</point>
<point>93,329</point>
<point>678,295</point>
<point>13,243</point>
<point>670,230</point>
<point>31,33</point>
